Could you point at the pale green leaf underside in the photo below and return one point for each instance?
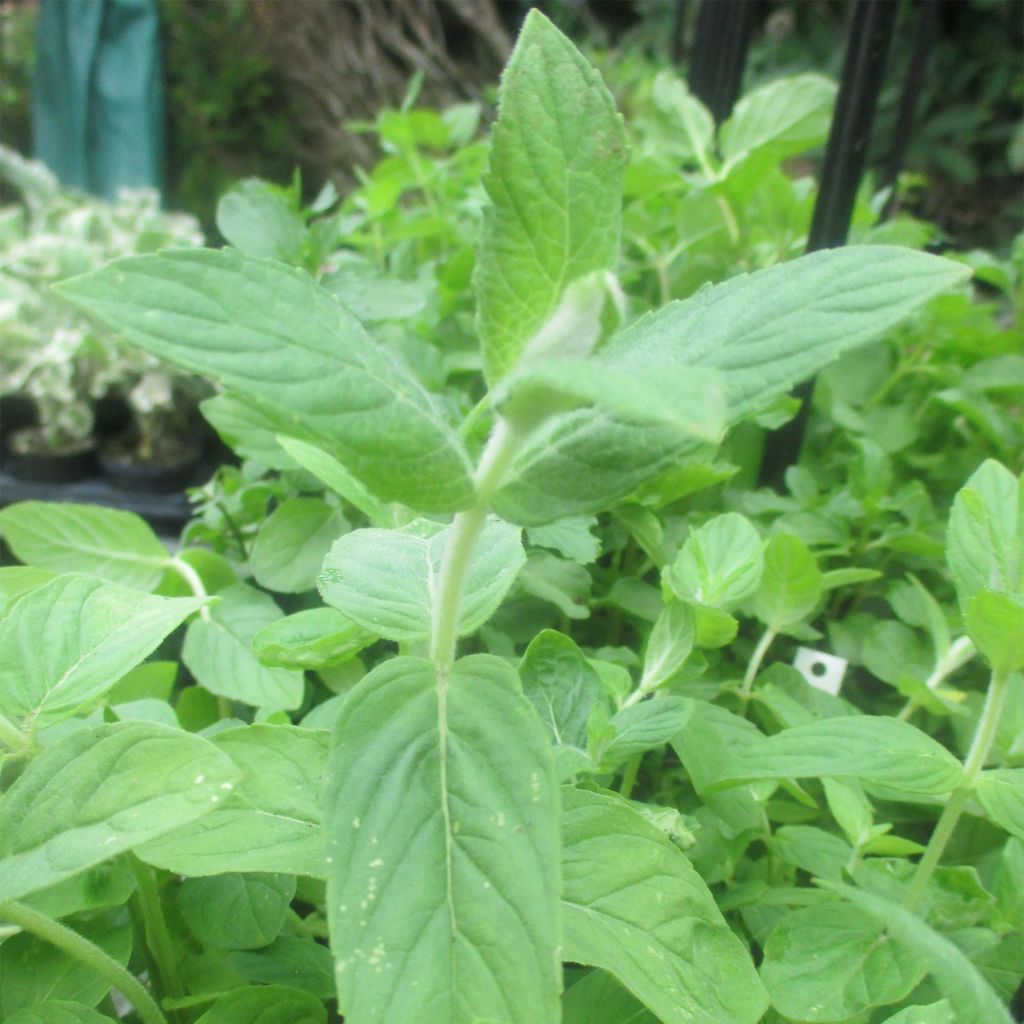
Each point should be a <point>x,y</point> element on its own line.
<point>277,802</point>
<point>873,749</point>
<point>101,792</point>
<point>105,542</point>
<point>555,181</point>
<point>635,907</point>
<point>765,332</point>
<point>833,962</point>
<point>442,854</point>
<point>271,334</point>
<point>386,580</point>
<point>69,641</point>
<point>954,975</point>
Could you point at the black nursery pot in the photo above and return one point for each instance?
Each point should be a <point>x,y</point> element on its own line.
<point>134,475</point>
<point>18,413</point>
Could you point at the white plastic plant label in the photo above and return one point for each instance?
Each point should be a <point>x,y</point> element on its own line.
<point>821,670</point>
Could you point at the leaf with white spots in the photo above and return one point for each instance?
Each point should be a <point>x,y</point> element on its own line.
<point>441,812</point>
<point>634,906</point>
<point>101,792</point>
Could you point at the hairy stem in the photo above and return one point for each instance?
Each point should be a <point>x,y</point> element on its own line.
<point>465,530</point>
<point>158,938</point>
<point>81,949</point>
<point>752,669</point>
<point>194,580</point>
<point>984,735</point>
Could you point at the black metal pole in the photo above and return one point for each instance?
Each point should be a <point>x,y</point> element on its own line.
<point>929,15</point>
<point>718,53</point>
<point>867,51</point>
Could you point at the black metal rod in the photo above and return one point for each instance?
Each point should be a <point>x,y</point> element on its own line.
<point>929,15</point>
<point>867,51</point>
<point>718,53</point>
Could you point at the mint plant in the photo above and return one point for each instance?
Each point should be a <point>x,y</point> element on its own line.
<point>385,777</point>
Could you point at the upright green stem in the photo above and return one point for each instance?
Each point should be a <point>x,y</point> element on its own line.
<point>80,948</point>
<point>960,652</point>
<point>194,580</point>
<point>984,736</point>
<point>752,669</point>
<point>158,938</point>
<point>465,530</point>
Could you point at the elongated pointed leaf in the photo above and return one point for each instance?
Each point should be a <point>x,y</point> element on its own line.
<point>386,580</point>
<point>270,333</point>
<point>105,542</point>
<point>69,641</point>
<point>875,749</point>
<point>635,907</point>
<point>100,792</point>
<point>278,801</point>
<point>765,332</point>
<point>555,181</point>
<point>441,811</point>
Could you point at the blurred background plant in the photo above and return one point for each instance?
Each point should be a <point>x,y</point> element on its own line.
<point>55,356</point>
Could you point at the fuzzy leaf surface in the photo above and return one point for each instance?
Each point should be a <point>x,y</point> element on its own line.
<point>101,792</point>
<point>558,151</point>
<point>442,824</point>
<point>270,333</point>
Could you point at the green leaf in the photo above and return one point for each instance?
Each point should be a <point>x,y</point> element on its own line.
<point>314,639</point>
<point>995,622</point>
<point>934,1013</point>
<point>697,134</point>
<point>94,633</point>
<point>635,907</point>
<point>765,332</point>
<point>219,652</point>
<point>954,975</point>
<point>271,334</point>
<point>597,998</point>
<point>985,540</point>
<point>104,542</point>
<point>834,961</point>
<point>16,580</point>
<point>235,911</point>
<point>247,428</point>
<point>784,118</point>
<point>292,543</point>
<point>642,727</point>
<point>266,1004</point>
<point>261,219</point>
<point>278,801</point>
<point>875,749</point>
<point>1001,792</point>
<point>670,644</point>
<point>689,400</point>
<point>328,470</point>
<point>562,685</point>
<point>58,1011</point>
<point>288,960</point>
<point>102,791</point>
<point>571,538</point>
<point>441,812</point>
<point>555,182</point>
<point>812,850</point>
<point>791,583</point>
<point>558,581</point>
<point>32,972</point>
<point>385,580</point>
<point>720,564</point>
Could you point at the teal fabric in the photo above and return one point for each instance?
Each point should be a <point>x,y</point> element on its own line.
<point>97,105</point>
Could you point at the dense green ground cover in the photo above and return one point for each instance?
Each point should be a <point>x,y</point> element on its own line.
<point>475,681</point>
